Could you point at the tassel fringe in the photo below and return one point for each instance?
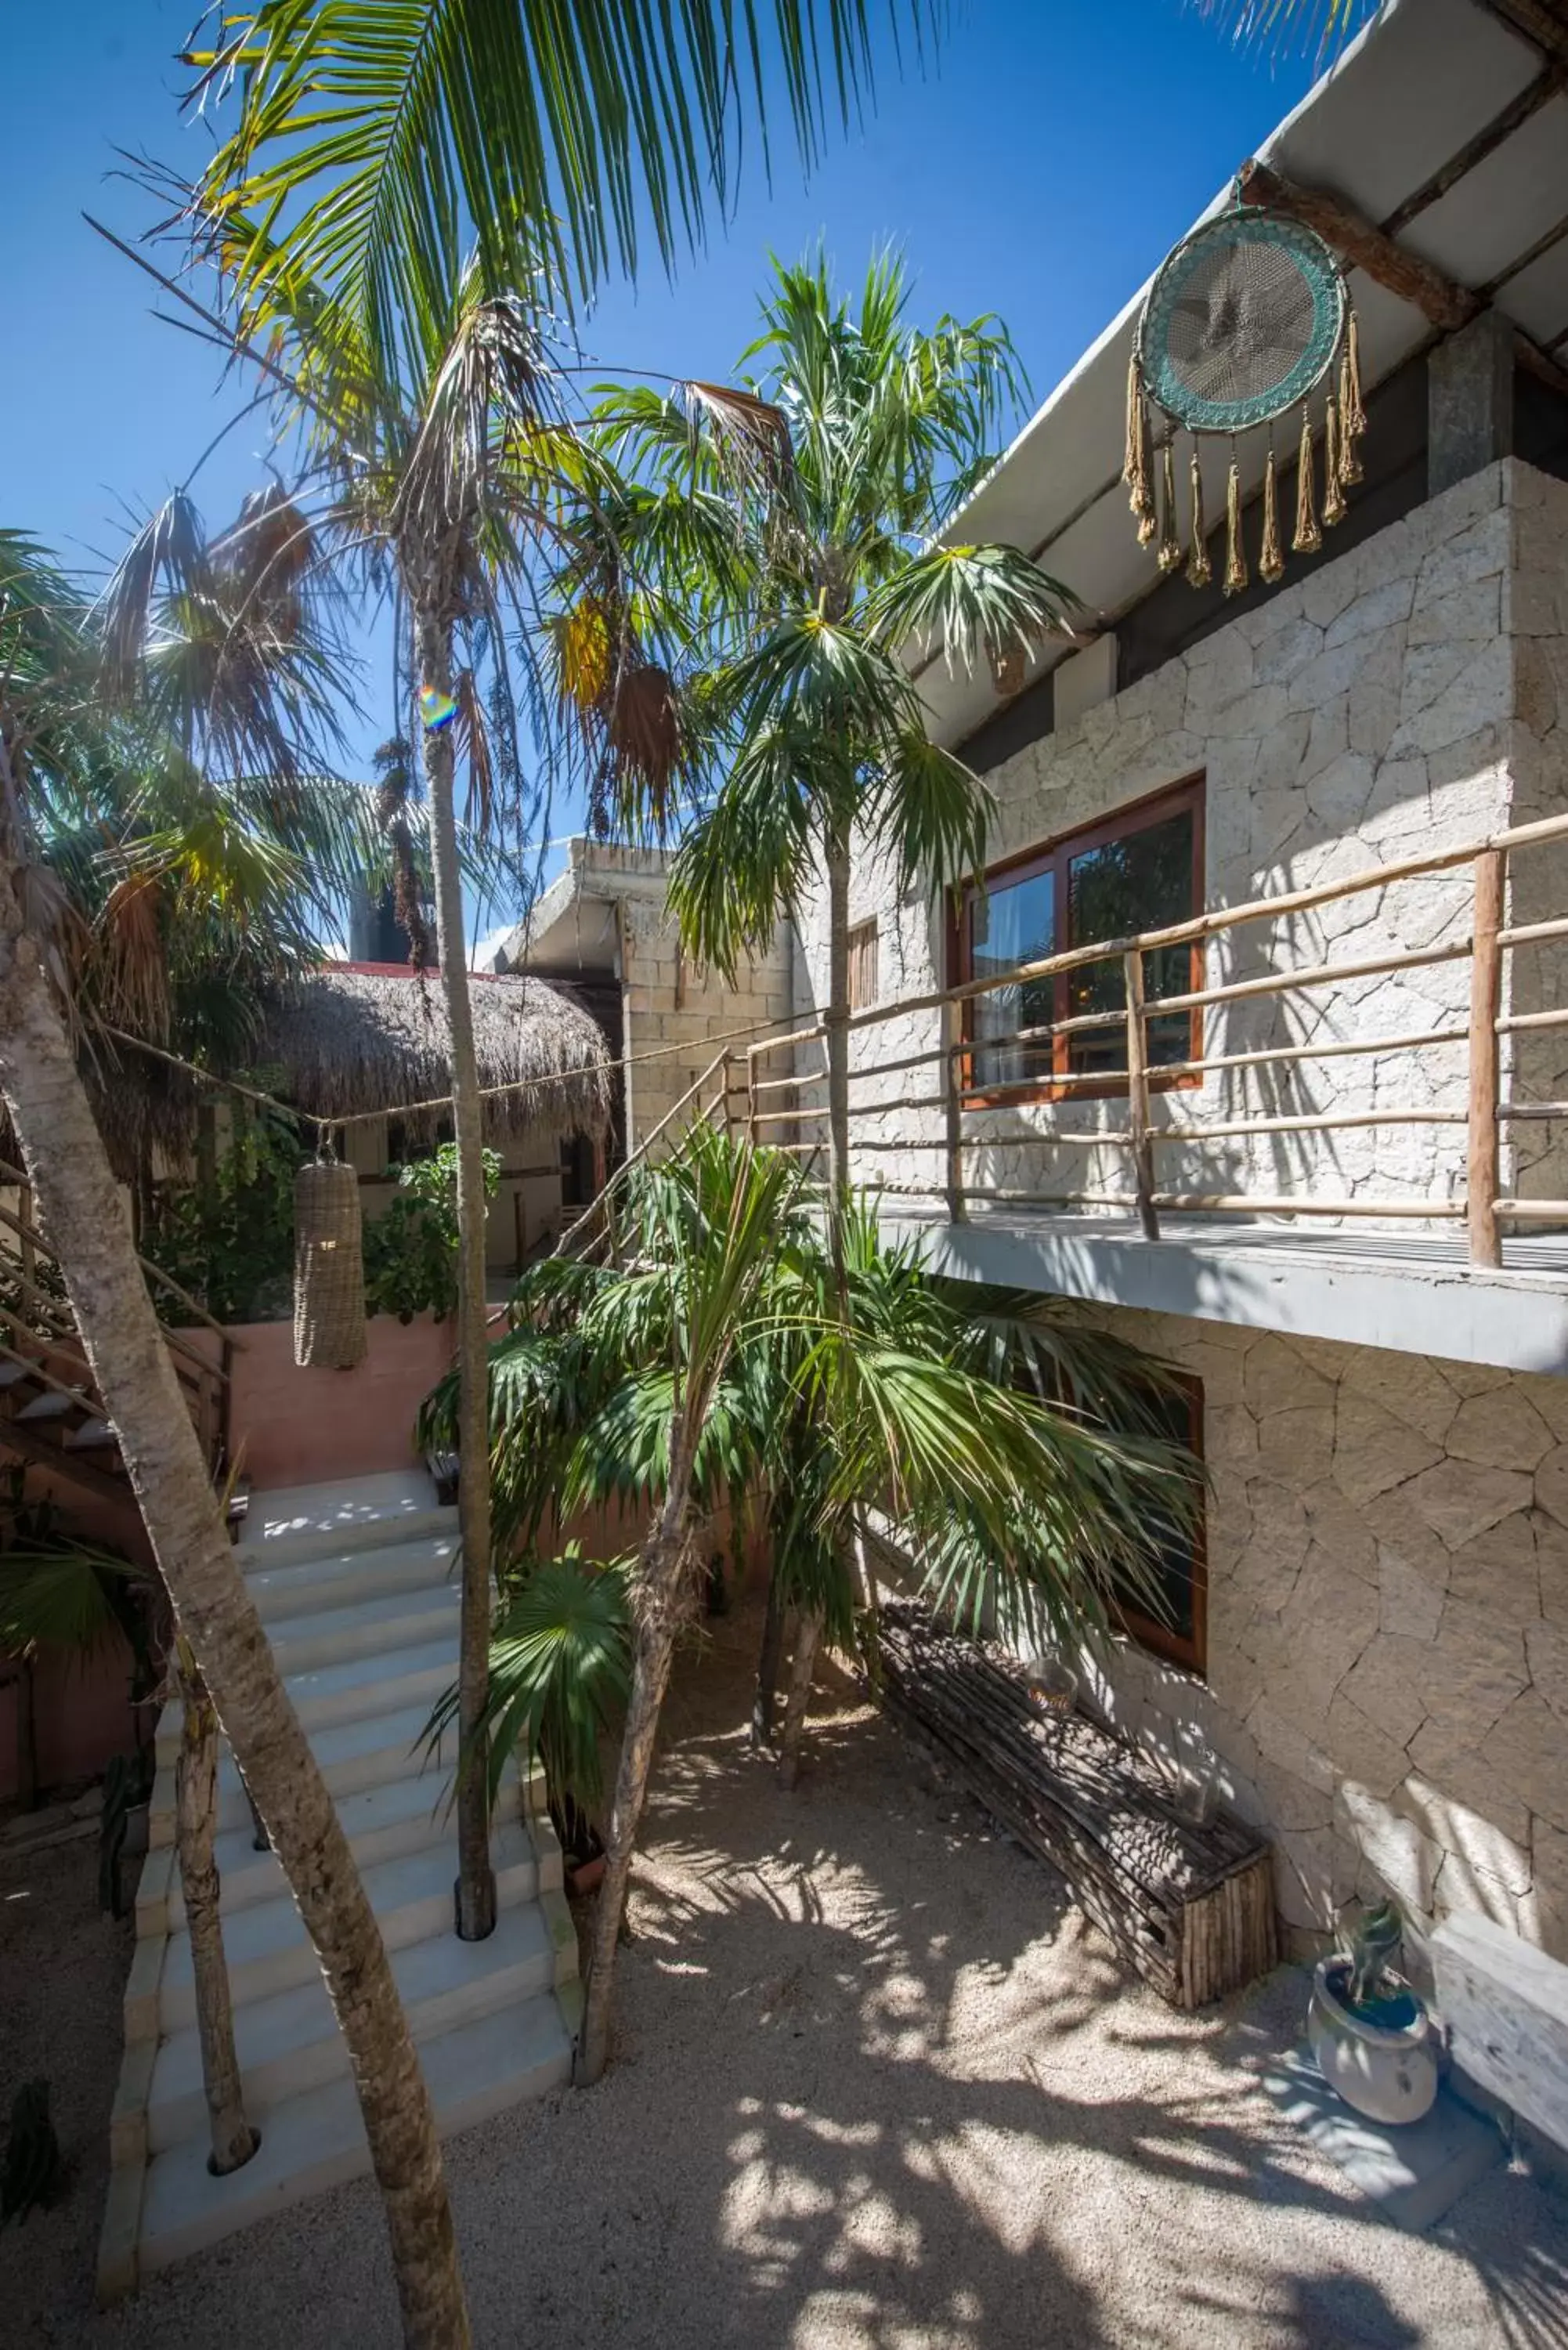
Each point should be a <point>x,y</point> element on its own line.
<point>1199,571</point>
<point>1235,554</point>
<point>1134,468</point>
<point>1169,536</point>
<point>1151,484</point>
<point>1332,491</point>
<point>1308,537</point>
<point>1352,415</point>
<point>1272,559</point>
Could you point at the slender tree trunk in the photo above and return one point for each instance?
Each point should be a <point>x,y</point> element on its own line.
<point>768,1663</point>
<point>835,1022</point>
<point>660,1572</point>
<point>196,1809</point>
<point>808,1632</point>
<point>476,1892</point>
<point>80,1209</point>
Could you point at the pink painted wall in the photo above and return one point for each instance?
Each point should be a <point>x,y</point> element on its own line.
<point>301,1427</point>
<point>298,1427</point>
<point>82,1714</point>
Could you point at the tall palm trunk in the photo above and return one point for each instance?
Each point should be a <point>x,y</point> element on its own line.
<point>80,1207</point>
<point>196,1809</point>
<point>808,1632</point>
<point>768,1662</point>
<point>837,1022</point>
<point>662,1566</point>
<point>475,1890</point>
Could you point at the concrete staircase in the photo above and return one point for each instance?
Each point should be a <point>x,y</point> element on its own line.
<point>355,1584</point>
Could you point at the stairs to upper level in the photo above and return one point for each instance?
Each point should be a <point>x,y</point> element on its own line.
<point>357,1586</point>
<point>52,1415</point>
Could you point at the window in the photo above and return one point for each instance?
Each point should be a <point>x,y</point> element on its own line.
<point>1176,1553</point>
<point>863,966</point>
<point>1141,870</point>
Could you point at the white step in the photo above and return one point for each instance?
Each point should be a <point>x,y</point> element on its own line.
<point>303,1522</point>
<point>398,1620</point>
<point>356,1756</point>
<point>353,1755</point>
<point>290,2042</point>
<point>362,1685</point>
<point>316,2140</point>
<point>383,1823</point>
<point>311,1585</point>
<point>330,1694</point>
<point>269,1950</point>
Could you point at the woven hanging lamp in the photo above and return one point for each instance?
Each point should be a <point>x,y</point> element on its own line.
<point>1243,323</point>
<point>328,1267</point>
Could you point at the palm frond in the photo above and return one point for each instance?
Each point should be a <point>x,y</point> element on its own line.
<point>372,133</point>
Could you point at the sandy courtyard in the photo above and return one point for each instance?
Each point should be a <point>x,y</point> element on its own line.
<point>877,2087</point>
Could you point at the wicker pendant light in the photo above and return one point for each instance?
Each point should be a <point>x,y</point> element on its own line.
<point>328,1267</point>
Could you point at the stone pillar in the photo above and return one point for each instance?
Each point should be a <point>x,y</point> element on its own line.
<point>1470,400</point>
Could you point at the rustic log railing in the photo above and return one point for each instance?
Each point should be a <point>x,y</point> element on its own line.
<point>48,1327</point>
<point>789,1110</point>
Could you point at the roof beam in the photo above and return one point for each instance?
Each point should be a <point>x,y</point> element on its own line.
<point>1356,240</point>
<point>1544,23</point>
<point>1496,133</point>
<point>1439,298</point>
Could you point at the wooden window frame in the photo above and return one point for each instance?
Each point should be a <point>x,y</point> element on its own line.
<point>863,935</point>
<point>1055,857</point>
<point>1148,1631</point>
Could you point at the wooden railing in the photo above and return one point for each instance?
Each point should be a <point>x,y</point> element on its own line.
<point>781,1108</point>
<point>46,1322</point>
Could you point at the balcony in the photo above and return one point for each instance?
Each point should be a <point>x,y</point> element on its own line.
<point>1365,1145</point>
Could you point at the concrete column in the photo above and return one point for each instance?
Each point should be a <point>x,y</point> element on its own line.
<point>1470,400</point>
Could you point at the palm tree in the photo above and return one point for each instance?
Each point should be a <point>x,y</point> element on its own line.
<point>431,480</point>
<point>53,738</point>
<point>370,128</point>
<point>679,1370</point>
<point>797,571</point>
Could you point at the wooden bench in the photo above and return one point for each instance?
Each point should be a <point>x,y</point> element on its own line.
<point>1192,1906</point>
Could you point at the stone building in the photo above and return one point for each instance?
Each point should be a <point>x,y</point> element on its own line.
<point>603,933</point>
<point>1368,1647</point>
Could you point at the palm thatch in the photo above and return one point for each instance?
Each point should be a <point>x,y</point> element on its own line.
<point>347,1041</point>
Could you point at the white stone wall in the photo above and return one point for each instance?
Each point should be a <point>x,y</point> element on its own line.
<point>668,1000</point>
<point>1387,1672</point>
<point>1405,697</point>
<point>1536,610</point>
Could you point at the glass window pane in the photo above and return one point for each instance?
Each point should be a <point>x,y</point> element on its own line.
<point>1013,922</point>
<point>1139,882</point>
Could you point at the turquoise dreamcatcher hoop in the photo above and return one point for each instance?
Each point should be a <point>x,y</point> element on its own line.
<point>1244,321</point>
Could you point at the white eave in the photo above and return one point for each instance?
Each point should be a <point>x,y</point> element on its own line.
<point>1422,81</point>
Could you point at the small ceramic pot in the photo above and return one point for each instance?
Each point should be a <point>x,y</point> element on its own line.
<point>587,1875</point>
<point>1386,2069</point>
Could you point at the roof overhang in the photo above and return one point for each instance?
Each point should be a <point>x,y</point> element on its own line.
<point>574,928</point>
<point>1425,82</point>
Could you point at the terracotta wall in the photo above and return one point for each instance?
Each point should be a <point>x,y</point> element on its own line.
<point>301,1427</point>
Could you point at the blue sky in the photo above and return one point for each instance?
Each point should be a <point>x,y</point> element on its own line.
<point>1042,172</point>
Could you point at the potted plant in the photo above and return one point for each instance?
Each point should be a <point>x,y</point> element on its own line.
<point>1369,2031</point>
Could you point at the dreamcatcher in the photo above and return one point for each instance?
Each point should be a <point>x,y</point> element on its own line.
<point>1245,319</point>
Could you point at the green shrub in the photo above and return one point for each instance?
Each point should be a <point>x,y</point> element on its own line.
<point>410,1252</point>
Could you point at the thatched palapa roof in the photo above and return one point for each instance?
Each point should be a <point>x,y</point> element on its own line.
<point>354,1038</point>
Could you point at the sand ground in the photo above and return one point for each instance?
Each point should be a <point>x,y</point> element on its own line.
<point>878,2086</point>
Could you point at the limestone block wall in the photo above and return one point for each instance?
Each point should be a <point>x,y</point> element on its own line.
<point>668,1000</point>
<point>1403,698</point>
<point>1388,1670</point>
<point>1537,613</point>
